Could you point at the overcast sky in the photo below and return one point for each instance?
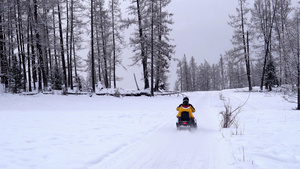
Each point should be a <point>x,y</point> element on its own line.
<point>200,29</point>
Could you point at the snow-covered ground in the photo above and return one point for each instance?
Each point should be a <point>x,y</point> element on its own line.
<point>82,132</point>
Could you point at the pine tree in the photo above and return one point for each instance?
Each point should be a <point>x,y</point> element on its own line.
<point>151,39</point>
<point>222,73</point>
<point>16,78</point>
<point>57,78</point>
<point>193,68</point>
<point>270,76</point>
<point>186,75</point>
<point>162,47</point>
<point>179,72</point>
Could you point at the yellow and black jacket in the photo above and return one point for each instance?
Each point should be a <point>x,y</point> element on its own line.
<point>189,108</point>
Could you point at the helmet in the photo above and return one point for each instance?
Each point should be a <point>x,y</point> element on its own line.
<point>185,101</point>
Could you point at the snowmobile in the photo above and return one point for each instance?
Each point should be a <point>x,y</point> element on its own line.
<point>185,121</point>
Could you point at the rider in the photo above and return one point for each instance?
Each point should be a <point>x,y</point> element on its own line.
<point>185,106</point>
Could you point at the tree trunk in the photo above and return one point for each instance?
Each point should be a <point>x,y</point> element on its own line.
<point>45,67</point>
<point>248,64</point>
<point>143,53</point>
<point>62,51</point>
<point>33,57</point>
<point>75,62</point>
<point>21,44</point>
<point>54,37</point>
<point>298,79</point>
<point>159,53</point>
<point>28,52</point>
<point>99,56</point>
<point>39,48</point>
<point>246,47</point>
<point>71,45</point>
<point>152,47</point>
<point>114,43</point>
<point>298,65</point>
<point>267,39</point>
<point>92,46</point>
<point>102,29</point>
<point>3,57</point>
<point>67,45</point>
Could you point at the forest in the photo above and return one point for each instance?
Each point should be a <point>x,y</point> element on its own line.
<point>40,42</point>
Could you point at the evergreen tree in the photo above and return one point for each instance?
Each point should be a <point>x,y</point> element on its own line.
<point>151,39</point>
<point>222,73</point>
<point>16,78</point>
<point>162,47</point>
<point>57,77</point>
<point>206,74</point>
<point>186,75</point>
<point>270,77</point>
<point>193,69</point>
<point>179,81</point>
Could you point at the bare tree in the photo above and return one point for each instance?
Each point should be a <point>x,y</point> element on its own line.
<point>92,46</point>
<point>102,23</point>
<point>281,22</point>
<point>240,38</point>
<point>62,51</point>
<point>263,18</point>
<point>117,36</point>
<point>294,46</point>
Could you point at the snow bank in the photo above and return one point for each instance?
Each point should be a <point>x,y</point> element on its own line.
<point>268,131</point>
<point>79,132</point>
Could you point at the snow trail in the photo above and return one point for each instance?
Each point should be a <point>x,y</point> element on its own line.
<point>169,148</point>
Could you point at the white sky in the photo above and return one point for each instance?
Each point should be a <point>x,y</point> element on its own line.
<point>200,29</point>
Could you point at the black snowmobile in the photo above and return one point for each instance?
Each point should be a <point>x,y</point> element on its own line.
<point>185,121</point>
